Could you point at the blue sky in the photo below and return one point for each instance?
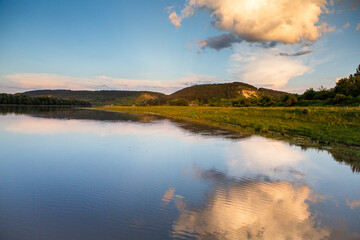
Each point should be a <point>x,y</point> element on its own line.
<point>164,45</point>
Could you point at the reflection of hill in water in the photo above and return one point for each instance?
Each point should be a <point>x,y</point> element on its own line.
<point>251,209</point>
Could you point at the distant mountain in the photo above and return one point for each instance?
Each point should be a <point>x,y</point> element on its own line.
<point>215,92</point>
<point>100,97</point>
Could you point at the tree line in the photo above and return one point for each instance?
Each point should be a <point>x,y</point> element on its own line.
<point>21,99</point>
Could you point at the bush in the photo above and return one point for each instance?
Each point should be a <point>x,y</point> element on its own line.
<point>339,98</point>
<point>348,86</point>
<point>266,101</point>
<point>309,94</point>
<point>288,100</point>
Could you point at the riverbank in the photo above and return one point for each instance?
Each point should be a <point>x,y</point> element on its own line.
<point>325,125</point>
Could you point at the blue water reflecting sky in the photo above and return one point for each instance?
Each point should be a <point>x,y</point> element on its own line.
<point>144,178</point>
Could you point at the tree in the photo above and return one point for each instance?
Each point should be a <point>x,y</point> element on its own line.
<point>288,100</point>
<point>266,101</point>
<point>309,94</point>
<point>357,73</point>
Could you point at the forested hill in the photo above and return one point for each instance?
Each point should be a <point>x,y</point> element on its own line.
<point>100,97</point>
<point>214,92</point>
<point>198,94</point>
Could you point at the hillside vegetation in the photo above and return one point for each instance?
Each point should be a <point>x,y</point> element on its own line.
<point>345,93</point>
<point>221,94</point>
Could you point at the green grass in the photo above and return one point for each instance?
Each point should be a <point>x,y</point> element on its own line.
<point>321,124</point>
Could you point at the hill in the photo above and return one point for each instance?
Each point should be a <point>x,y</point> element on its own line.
<point>208,93</point>
<point>125,98</point>
<point>198,94</point>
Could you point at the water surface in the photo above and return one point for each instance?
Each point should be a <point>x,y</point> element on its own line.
<point>83,174</point>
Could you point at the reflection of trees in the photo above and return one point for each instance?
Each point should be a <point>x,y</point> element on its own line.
<point>349,156</point>
<point>28,109</point>
<point>75,113</point>
<point>206,130</point>
<point>250,209</point>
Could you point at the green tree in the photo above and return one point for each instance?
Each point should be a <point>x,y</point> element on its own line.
<point>309,94</point>
<point>357,73</point>
<point>288,100</point>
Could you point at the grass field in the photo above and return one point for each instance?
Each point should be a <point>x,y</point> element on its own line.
<point>322,124</point>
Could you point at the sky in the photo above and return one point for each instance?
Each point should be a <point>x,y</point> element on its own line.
<point>166,45</point>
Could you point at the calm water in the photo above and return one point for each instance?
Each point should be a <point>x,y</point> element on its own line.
<point>80,174</point>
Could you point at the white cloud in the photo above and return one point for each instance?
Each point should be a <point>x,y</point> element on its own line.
<point>265,67</point>
<point>29,81</point>
<point>346,25</point>
<point>287,21</point>
<point>358,27</point>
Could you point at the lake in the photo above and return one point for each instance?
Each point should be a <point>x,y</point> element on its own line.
<point>84,174</point>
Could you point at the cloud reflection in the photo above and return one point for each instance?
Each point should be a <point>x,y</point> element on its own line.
<point>353,204</point>
<point>250,209</point>
<point>168,195</point>
<point>259,155</point>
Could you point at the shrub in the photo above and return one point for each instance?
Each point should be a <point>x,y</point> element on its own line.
<point>288,100</point>
<point>309,94</point>
<point>266,101</point>
<point>339,98</point>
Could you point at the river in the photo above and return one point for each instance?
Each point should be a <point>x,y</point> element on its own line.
<point>86,174</point>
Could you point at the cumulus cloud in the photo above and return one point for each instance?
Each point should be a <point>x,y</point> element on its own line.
<point>296,54</point>
<point>291,21</point>
<point>264,67</point>
<point>24,82</point>
<point>358,27</point>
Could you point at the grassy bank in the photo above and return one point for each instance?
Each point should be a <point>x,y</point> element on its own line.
<point>322,124</point>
